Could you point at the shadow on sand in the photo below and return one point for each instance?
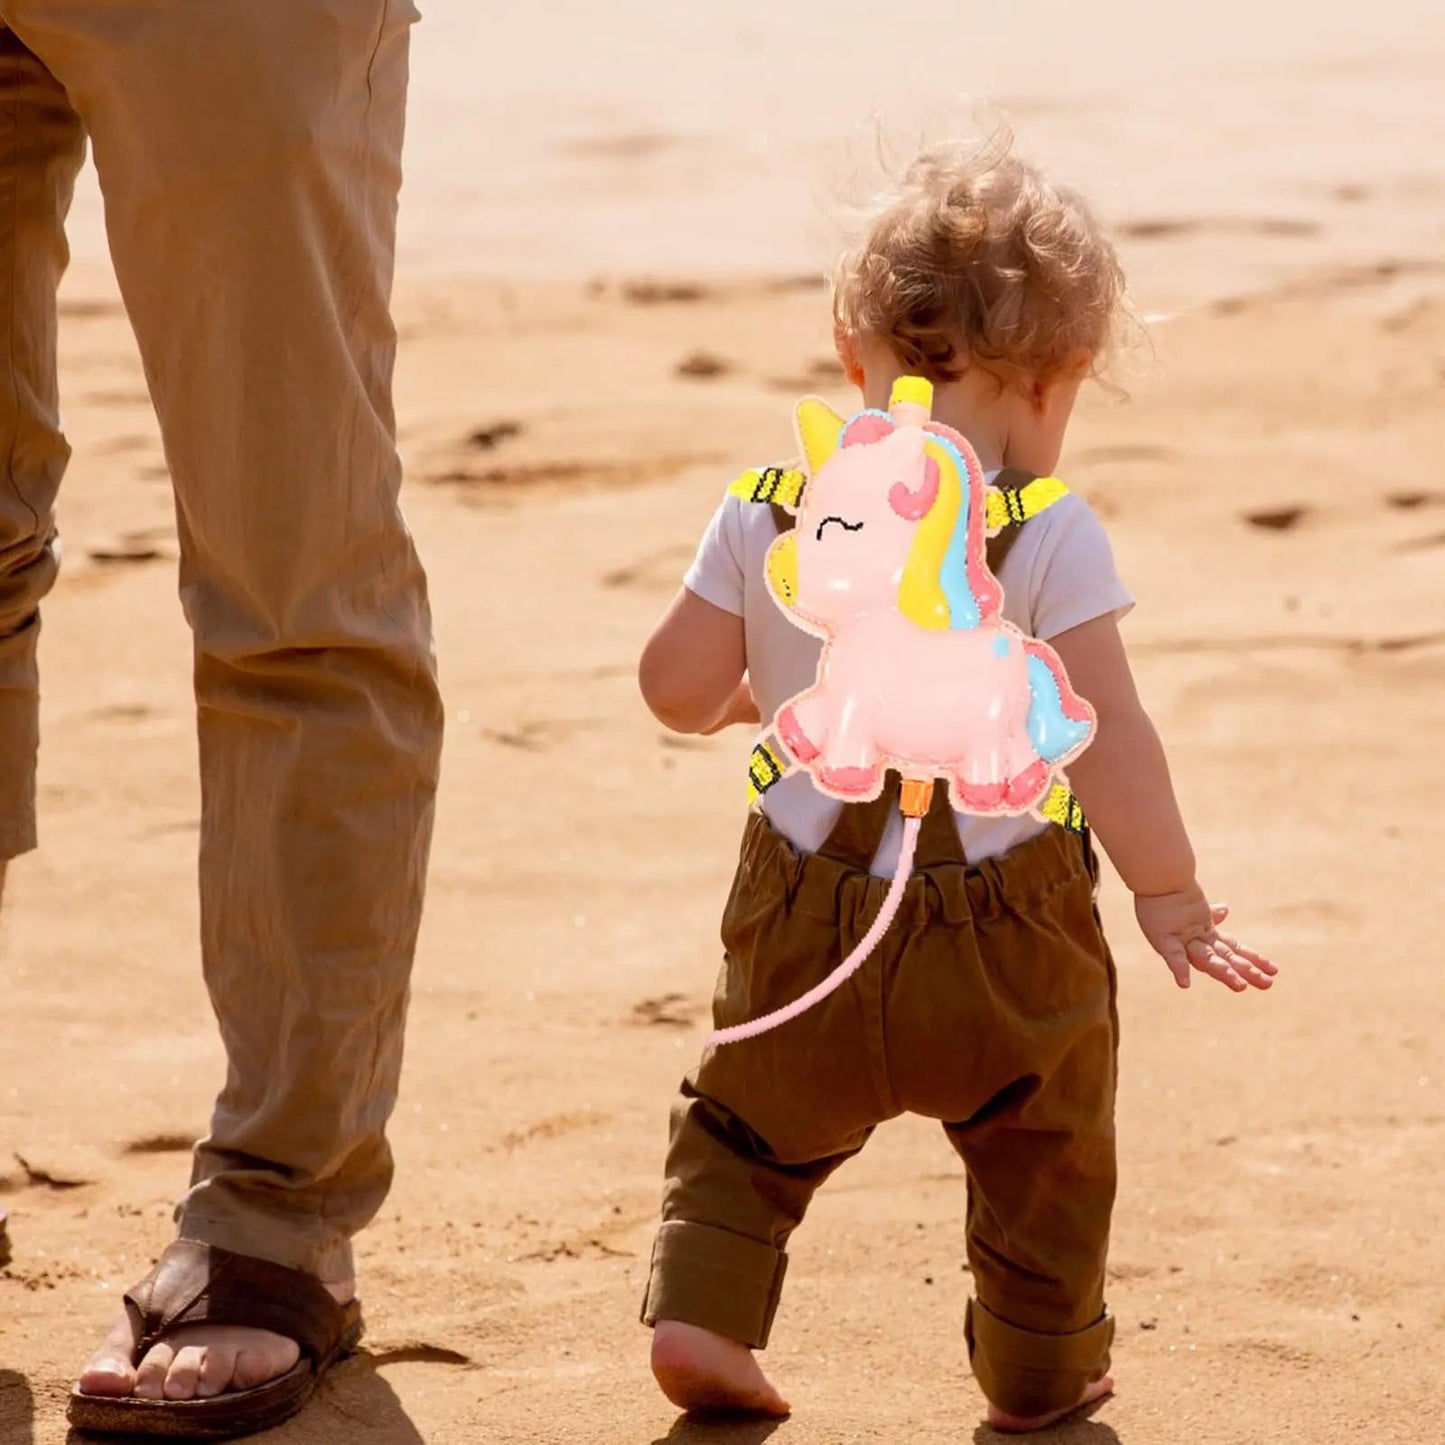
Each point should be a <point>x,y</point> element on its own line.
<point>718,1430</point>
<point>17,1410</point>
<point>1079,1429</point>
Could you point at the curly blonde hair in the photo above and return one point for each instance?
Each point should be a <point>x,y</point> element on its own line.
<point>976,259</point>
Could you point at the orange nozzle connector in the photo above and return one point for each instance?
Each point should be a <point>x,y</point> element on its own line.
<point>915,797</point>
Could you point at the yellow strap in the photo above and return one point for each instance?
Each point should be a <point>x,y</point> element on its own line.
<point>783,485</point>
<point>1003,509</point>
<point>1062,807</point>
<point>766,767</point>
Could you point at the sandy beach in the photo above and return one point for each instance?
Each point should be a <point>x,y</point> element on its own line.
<point>608,296</point>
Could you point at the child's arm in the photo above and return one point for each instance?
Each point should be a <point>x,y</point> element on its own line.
<point>1122,782</point>
<point>692,669</point>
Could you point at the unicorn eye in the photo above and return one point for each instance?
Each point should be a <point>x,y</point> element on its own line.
<point>846,526</point>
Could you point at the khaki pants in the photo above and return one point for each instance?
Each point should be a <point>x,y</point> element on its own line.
<point>249,156</point>
<point>989,1005</point>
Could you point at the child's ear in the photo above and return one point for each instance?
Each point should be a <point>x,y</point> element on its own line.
<point>845,342</point>
<point>1045,392</point>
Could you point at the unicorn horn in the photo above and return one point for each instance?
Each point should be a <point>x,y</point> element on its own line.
<point>911,401</point>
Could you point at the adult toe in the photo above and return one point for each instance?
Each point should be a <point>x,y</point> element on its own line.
<point>150,1375</point>
<point>218,1369</point>
<point>185,1372</point>
<point>257,1366</point>
<point>110,1371</point>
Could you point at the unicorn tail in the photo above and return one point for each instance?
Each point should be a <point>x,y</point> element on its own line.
<point>1060,721</point>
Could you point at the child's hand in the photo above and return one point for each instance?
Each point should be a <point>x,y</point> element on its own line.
<point>1181,929</point>
<point>741,707</point>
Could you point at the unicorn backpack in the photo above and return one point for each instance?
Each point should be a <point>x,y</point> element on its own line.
<point>919,673</point>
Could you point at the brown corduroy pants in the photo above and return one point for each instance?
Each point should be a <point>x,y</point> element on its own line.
<point>989,1005</point>
<point>249,155</point>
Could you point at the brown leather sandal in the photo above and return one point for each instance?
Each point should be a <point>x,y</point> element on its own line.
<point>194,1284</point>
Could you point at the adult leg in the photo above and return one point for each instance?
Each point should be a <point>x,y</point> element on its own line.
<point>42,144</point>
<point>249,156</point>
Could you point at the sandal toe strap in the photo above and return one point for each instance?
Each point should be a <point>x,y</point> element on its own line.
<point>195,1284</point>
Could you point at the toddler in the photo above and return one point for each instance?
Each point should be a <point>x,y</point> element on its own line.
<point>990,1003</point>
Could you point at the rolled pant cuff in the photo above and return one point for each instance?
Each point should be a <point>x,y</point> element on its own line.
<point>716,1280</point>
<point>324,1253</point>
<point>1027,1373</point>
<point>16,838</point>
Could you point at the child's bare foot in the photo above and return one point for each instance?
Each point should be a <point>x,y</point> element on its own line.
<point>1021,1424</point>
<point>701,1371</point>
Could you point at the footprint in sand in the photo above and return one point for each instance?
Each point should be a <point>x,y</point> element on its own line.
<point>703,366</point>
<point>1127,452</point>
<point>554,1126</point>
<point>1417,313</point>
<point>498,484</point>
<point>576,1249</point>
<point>143,545</point>
<point>1286,519</point>
<point>484,438</point>
<point>1282,1354</point>
<point>822,371</point>
<point>1124,1271</point>
<point>659,291</point>
<point>117,398</point>
<point>650,292</point>
<point>628,145</point>
<point>128,442</point>
<point>1277,519</point>
<point>123,712</point>
<point>668,1010</point>
<point>176,1143</point>
<point>1165,228</point>
<point>1370,275</point>
<point>657,571</point>
<point>1416,501</point>
<point>539,735</point>
<point>1421,544</point>
<point>89,310</point>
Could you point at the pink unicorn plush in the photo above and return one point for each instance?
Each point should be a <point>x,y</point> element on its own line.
<point>919,671</point>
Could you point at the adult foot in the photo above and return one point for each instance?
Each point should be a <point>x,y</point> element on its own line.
<point>701,1371</point>
<point>1021,1424</point>
<point>197,1362</point>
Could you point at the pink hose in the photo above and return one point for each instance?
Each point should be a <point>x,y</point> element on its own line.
<point>851,964</point>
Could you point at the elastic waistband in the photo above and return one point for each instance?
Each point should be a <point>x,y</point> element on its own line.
<point>824,888</point>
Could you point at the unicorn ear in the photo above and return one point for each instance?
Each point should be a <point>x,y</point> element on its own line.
<point>819,428</point>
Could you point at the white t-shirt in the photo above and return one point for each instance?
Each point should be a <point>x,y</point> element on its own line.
<point>1059,574</point>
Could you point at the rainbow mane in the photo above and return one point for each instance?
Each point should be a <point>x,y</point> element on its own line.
<point>946,583</point>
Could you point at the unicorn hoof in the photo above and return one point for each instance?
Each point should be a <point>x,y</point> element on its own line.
<point>850,782</point>
<point>794,738</point>
<point>1030,785</point>
<point>980,797</point>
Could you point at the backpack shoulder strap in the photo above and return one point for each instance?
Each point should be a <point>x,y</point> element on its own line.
<point>1015,497</point>
<point>775,485</point>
